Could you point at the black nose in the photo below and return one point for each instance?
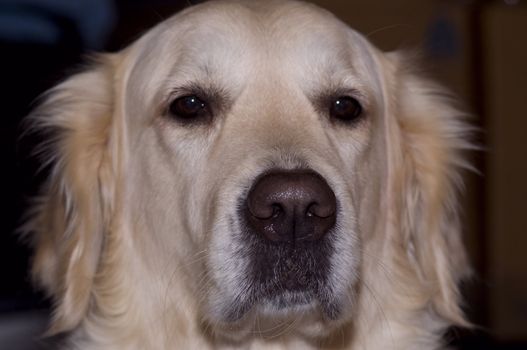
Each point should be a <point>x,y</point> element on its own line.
<point>291,206</point>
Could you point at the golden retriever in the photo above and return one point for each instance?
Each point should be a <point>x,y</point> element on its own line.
<point>251,175</point>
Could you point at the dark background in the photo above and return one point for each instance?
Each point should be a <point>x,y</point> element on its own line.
<point>477,48</point>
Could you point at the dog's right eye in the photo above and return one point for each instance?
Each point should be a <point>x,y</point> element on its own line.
<point>189,109</point>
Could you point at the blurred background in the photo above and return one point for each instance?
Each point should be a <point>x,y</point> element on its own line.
<point>477,48</point>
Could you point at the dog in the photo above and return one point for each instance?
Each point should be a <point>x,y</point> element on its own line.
<point>251,175</point>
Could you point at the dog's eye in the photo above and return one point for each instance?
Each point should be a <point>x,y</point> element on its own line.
<point>188,108</point>
<point>345,108</point>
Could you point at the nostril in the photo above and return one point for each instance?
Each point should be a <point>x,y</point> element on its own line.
<point>320,211</point>
<point>261,208</point>
<point>291,206</point>
<point>277,210</point>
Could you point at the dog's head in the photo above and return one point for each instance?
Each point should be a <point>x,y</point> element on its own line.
<point>245,166</point>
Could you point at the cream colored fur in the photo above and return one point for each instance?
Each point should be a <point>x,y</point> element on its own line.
<point>131,233</point>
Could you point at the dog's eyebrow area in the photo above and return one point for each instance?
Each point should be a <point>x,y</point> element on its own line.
<point>221,78</point>
<point>208,61</point>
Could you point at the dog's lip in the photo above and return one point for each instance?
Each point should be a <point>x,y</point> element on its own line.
<point>236,324</point>
<point>302,301</point>
<point>283,302</point>
<point>286,298</point>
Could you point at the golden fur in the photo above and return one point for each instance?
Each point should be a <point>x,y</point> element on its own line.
<point>130,232</point>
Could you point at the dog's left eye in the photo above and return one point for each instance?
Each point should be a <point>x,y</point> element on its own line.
<point>345,108</point>
<point>189,108</point>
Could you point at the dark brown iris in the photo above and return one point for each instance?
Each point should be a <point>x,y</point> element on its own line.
<point>345,108</point>
<point>189,108</point>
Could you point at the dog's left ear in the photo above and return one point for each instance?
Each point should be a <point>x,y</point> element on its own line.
<point>429,137</point>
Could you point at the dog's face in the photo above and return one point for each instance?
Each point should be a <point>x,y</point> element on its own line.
<point>257,166</point>
<point>259,136</point>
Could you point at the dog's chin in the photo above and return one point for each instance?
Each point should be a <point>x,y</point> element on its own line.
<point>283,314</point>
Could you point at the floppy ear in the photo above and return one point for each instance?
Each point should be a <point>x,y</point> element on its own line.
<point>428,138</point>
<point>71,216</point>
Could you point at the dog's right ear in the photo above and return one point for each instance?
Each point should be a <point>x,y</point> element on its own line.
<point>70,219</point>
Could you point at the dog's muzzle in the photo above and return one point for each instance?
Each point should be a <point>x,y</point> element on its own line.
<point>288,217</point>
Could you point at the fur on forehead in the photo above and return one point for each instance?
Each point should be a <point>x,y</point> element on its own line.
<point>237,44</point>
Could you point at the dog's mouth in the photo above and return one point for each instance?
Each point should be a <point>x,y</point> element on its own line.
<point>284,285</point>
<point>280,280</point>
<point>285,277</point>
<point>286,225</point>
<point>280,260</point>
